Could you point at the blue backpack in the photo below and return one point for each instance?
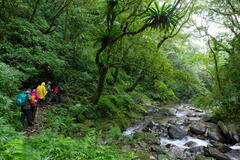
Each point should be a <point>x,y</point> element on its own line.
<point>21,99</point>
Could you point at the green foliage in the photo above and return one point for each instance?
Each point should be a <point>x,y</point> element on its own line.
<point>164,17</point>
<point>163,93</point>
<point>10,79</point>
<point>51,146</point>
<point>57,147</point>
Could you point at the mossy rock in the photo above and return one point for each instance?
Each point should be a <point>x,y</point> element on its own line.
<point>143,155</point>
<point>148,138</point>
<point>200,157</point>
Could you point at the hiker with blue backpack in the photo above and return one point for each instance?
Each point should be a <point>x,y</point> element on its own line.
<point>23,100</point>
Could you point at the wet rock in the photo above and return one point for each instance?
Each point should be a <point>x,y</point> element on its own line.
<point>148,126</point>
<point>170,145</point>
<point>190,144</point>
<point>214,136</point>
<point>195,150</point>
<point>235,136</point>
<point>213,152</point>
<point>224,130</point>
<point>192,115</point>
<point>198,128</point>
<point>176,132</point>
<point>221,147</point>
<point>157,149</point>
<point>176,153</point>
<point>148,138</point>
<point>233,154</point>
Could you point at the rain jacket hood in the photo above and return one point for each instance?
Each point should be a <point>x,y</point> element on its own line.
<point>41,90</point>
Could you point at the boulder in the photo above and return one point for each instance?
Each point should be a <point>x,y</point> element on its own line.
<point>221,147</point>
<point>213,152</point>
<point>224,131</point>
<point>195,150</point>
<point>176,132</point>
<point>233,154</point>
<point>215,136</point>
<point>198,129</point>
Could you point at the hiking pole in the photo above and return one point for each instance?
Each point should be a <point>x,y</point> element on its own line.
<point>36,115</point>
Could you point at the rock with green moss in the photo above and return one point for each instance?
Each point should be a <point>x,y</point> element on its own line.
<point>200,157</point>
<point>148,138</point>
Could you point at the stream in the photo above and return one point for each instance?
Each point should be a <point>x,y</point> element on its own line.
<point>184,133</point>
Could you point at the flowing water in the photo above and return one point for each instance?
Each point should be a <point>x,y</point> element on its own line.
<point>181,116</point>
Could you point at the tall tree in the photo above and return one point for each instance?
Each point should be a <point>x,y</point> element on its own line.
<point>125,18</point>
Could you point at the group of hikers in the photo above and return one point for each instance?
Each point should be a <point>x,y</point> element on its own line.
<point>31,99</point>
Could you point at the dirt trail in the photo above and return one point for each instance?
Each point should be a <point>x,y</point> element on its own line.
<point>37,128</point>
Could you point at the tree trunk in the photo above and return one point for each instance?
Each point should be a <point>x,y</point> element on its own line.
<point>34,10</point>
<point>134,85</point>
<point>115,75</point>
<point>216,68</point>
<point>52,24</point>
<point>101,81</point>
<point>217,72</point>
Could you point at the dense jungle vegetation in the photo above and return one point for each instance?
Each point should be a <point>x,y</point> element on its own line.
<point>112,57</point>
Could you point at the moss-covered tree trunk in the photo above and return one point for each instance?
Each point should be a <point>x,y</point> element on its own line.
<point>101,81</point>
<point>34,10</point>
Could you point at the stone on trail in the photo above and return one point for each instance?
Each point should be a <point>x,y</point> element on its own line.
<point>176,132</point>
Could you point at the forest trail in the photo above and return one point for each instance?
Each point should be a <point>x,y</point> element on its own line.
<point>37,128</point>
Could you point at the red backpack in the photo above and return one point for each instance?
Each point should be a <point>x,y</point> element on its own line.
<point>56,90</point>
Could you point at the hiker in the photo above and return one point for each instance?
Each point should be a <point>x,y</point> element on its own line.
<point>23,100</point>
<point>34,99</point>
<point>58,91</point>
<point>41,91</point>
<point>49,92</point>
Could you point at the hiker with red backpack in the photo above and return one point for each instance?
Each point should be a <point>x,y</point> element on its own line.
<point>34,103</point>
<point>23,100</point>
<point>58,91</point>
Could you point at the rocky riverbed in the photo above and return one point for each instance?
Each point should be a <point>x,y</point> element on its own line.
<point>182,132</point>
